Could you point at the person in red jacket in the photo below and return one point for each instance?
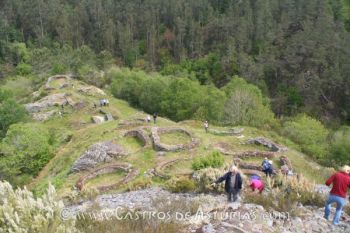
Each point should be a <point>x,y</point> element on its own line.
<point>341,184</point>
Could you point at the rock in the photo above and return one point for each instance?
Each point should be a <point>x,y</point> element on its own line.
<point>267,143</point>
<point>44,115</point>
<point>98,153</point>
<point>109,117</point>
<point>208,228</point>
<point>91,90</point>
<point>161,153</point>
<point>98,119</point>
<point>49,101</point>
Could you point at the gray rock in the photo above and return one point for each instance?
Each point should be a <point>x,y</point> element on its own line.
<point>98,119</point>
<point>98,153</point>
<point>49,101</point>
<point>43,116</point>
<point>267,143</point>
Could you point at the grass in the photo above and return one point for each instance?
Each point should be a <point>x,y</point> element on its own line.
<point>105,179</point>
<point>174,138</point>
<point>85,134</point>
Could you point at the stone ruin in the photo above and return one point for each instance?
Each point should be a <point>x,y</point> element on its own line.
<point>58,99</point>
<point>285,161</point>
<point>98,153</point>
<point>91,91</point>
<point>267,143</point>
<point>141,134</point>
<point>159,169</point>
<point>158,146</point>
<point>256,154</point>
<point>57,77</point>
<point>229,132</point>
<point>100,119</point>
<point>132,122</point>
<point>106,170</point>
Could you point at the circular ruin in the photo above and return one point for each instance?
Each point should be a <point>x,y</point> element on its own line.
<point>125,167</point>
<point>159,169</point>
<point>65,81</point>
<point>159,146</point>
<point>141,135</point>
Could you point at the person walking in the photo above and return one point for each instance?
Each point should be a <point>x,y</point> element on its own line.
<point>233,183</point>
<point>340,184</point>
<point>267,167</point>
<point>206,126</point>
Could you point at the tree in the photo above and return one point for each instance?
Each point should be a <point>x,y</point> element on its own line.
<point>10,112</point>
<point>26,149</point>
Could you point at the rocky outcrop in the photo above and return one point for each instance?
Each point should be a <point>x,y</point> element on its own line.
<point>57,77</point>
<point>105,170</point>
<point>156,132</point>
<point>101,152</point>
<point>58,99</point>
<point>141,135</point>
<point>91,91</point>
<point>98,119</point>
<point>43,116</point>
<point>267,143</point>
<point>212,213</point>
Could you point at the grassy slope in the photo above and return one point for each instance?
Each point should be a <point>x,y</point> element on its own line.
<point>85,133</point>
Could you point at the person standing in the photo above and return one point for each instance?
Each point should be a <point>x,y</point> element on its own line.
<point>148,118</point>
<point>206,126</point>
<point>233,183</point>
<point>341,184</point>
<point>154,117</point>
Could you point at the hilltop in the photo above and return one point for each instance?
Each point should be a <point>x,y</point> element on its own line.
<point>110,149</point>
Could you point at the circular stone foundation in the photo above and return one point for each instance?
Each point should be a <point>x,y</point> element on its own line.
<point>125,167</point>
<point>141,135</point>
<point>159,146</point>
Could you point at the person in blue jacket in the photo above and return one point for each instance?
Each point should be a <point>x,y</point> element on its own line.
<point>233,183</point>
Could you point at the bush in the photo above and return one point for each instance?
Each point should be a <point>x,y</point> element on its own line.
<point>245,104</point>
<point>214,160</point>
<point>205,177</point>
<point>21,212</point>
<point>26,149</point>
<point>10,112</point>
<point>180,185</point>
<point>309,133</point>
<point>23,69</point>
<point>339,153</point>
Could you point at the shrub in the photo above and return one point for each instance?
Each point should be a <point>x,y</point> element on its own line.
<point>309,133</point>
<point>214,160</point>
<point>180,185</point>
<point>205,177</point>
<point>139,184</point>
<point>26,150</point>
<point>10,112</point>
<point>245,104</point>
<point>23,69</point>
<point>339,153</point>
<point>21,212</point>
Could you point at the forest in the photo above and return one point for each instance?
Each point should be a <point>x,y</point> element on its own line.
<point>296,52</point>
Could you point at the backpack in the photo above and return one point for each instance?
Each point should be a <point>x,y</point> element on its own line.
<point>266,165</point>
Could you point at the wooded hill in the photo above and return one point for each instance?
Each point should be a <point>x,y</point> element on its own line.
<point>297,52</point>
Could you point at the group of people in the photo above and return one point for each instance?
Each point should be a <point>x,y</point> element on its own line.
<point>155,115</point>
<point>340,184</point>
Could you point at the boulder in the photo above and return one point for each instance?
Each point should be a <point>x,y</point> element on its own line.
<point>98,119</point>
<point>101,152</point>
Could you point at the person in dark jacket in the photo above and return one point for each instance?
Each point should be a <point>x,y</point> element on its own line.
<point>233,183</point>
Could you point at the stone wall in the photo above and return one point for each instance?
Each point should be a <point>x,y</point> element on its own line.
<point>156,132</point>
<point>141,135</point>
<point>56,77</point>
<point>105,170</point>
